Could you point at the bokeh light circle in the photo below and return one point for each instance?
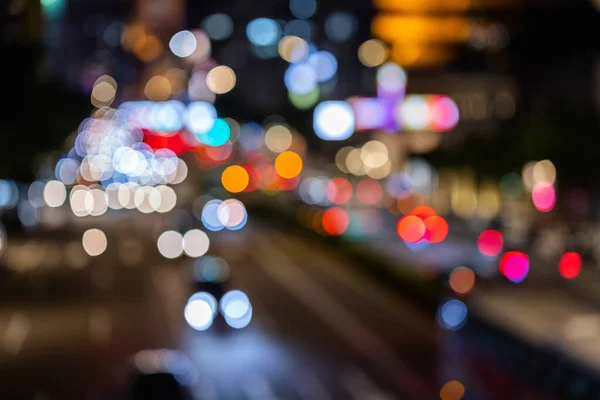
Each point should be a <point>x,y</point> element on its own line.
<point>288,164</point>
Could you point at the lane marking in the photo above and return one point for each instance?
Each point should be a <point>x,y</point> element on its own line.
<point>16,332</point>
<point>334,314</point>
<point>365,288</point>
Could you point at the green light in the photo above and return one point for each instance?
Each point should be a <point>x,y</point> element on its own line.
<point>304,101</point>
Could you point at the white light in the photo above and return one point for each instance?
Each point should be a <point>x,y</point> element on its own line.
<point>112,196</point>
<point>55,194</point>
<point>200,117</point>
<point>391,78</point>
<point>236,309</point>
<point>100,202</point>
<point>232,214</point>
<point>333,120</point>
<point>199,314</point>
<point>168,199</point>
<point>183,44</point>
<point>94,242</point>
<point>195,243</point>
<point>170,244</point>
<point>414,113</point>
<point>81,201</point>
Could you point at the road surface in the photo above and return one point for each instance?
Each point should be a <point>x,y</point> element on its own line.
<point>321,328</point>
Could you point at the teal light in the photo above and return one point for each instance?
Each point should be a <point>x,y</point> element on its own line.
<point>217,136</point>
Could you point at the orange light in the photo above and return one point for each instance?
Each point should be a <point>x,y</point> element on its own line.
<point>453,390</point>
<point>288,164</point>
<point>409,200</point>
<point>412,29</point>
<point>235,179</point>
<point>437,229</point>
<point>411,229</point>
<point>462,280</point>
<point>335,221</point>
<point>423,212</point>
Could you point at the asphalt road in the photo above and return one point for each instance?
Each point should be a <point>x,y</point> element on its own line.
<point>321,328</point>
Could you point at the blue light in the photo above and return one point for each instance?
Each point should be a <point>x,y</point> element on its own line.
<point>300,78</point>
<point>210,217</point>
<point>324,64</point>
<point>300,28</point>
<point>251,136</point>
<point>217,136</point>
<point>263,31</point>
<point>339,26</point>
<point>218,26</point>
<point>303,8</point>
<point>453,314</point>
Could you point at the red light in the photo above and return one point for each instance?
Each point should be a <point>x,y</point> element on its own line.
<point>490,243</point>
<point>514,265</point>
<point>369,191</point>
<point>570,265</point>
<point>339,190</point>
<point>287,184</point>
<point>437,229</point>
<point>423,212</point>
<point>335,221</point>
<point>174,142</point>
<point>411,229</point>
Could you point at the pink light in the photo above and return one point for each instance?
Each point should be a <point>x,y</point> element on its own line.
<point>543,196</point>
<point>514,265</point>
<point>444,113</point>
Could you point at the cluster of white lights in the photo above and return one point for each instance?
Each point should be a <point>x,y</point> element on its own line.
<point>171,244</point>
<point>95,201</point>
<point>201,310</point>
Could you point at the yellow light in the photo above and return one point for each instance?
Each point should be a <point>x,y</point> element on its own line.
<point>235,179</point>
<point>220,79</point>
<point>293,49</point>
<point>148,48</point>
<point>373,53</point>
<point>158,88</point>
<point>288,164</point>
<point>278,138</point>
